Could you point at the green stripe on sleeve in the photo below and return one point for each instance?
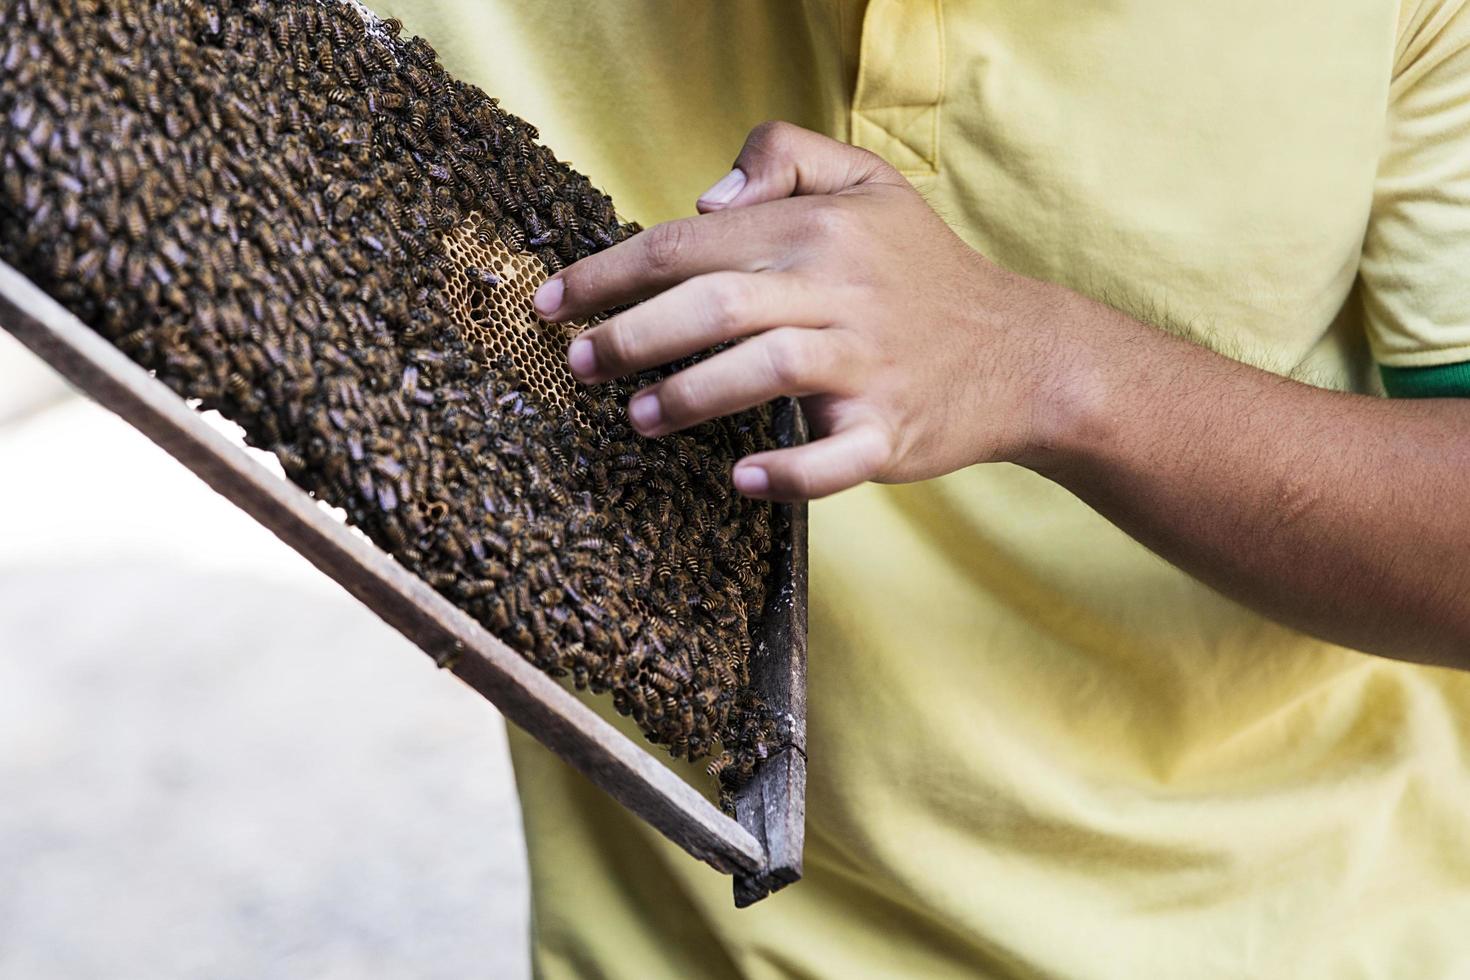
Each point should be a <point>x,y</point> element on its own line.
<point>1444,381</point>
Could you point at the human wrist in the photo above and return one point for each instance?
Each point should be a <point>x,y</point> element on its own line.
<point>1068,382</point>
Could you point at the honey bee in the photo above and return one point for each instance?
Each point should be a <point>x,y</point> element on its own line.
<point>674,670</point>
<point>477,589</point>
<point>284,28</point>
<point>350,68</point>
<point>85,268</point>
<point>291,460</point>
<point>441,580</point>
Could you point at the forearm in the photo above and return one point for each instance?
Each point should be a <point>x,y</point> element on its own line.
<point>914,355</point>
<point>1342,515</point>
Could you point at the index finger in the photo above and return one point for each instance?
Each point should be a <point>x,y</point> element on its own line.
<point>740,240</point>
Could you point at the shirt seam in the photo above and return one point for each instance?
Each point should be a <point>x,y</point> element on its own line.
<point>1436,357</point>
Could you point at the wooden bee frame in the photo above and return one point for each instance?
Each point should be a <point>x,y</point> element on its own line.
<point>762,848</point>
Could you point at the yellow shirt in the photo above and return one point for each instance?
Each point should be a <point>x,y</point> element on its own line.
<point>1037,749</point>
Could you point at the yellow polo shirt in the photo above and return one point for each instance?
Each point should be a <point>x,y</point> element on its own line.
<point>1037,750</point>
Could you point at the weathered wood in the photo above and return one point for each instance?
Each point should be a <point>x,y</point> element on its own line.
<point>523,693</point>
<point>772,806</point>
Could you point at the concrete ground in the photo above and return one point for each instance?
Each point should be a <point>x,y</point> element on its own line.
<point>213,762</point>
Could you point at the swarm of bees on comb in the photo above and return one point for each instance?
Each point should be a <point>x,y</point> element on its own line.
<point>293,215</point>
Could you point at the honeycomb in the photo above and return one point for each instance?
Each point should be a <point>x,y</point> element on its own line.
<point>291,214</point>
<point>489,291</point>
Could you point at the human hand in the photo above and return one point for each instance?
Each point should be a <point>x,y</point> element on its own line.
<point>911,353</point>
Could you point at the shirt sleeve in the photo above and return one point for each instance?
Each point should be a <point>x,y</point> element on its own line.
<point>1415,269</point>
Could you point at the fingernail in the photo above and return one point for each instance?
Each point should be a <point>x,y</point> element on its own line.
<point>645,412</point>
<point>726,189</point>
<point>582,357</point>
<point>751,479</point>
<point>548,297</point>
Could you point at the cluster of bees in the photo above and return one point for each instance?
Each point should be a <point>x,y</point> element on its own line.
<point>292,214</point>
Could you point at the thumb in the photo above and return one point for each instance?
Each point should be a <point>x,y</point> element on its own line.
<point>782,160</point>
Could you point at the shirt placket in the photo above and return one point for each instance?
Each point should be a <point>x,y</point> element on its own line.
<point>899,90</point>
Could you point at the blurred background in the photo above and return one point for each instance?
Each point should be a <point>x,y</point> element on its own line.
<point>213,761</point>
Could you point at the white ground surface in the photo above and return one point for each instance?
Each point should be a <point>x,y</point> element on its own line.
<point>213,762</point>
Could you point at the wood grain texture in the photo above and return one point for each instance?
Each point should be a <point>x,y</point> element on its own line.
<point>772,806</point>
<point>771,810</point>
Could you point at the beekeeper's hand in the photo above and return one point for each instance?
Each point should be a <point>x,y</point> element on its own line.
<point>912,354</point>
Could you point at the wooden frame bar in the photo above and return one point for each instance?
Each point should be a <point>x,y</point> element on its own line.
<point>763,849</point>
<point>773,805</point>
